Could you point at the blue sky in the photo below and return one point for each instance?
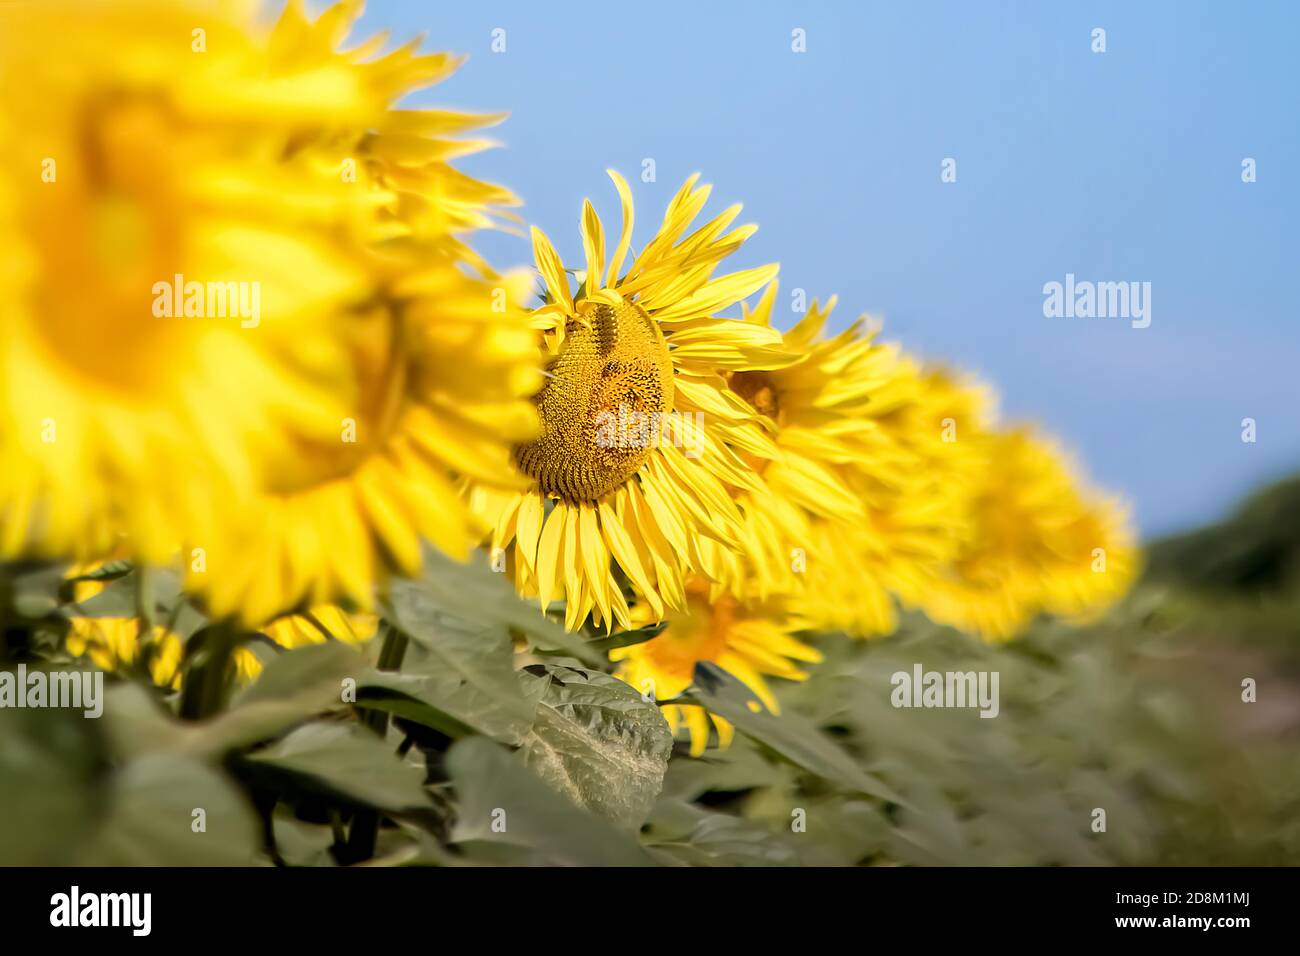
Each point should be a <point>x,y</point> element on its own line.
<point>1120,166</point>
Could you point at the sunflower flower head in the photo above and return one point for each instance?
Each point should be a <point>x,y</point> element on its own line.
<point>614,358</point>
<point>640,445</point>
<point>434,362</point>
<point>930,436</point>
<point>244,320</point>
<point>863,477</point>
<point>751,642</point>
<point>162,340</point>
<point>1039,543</point>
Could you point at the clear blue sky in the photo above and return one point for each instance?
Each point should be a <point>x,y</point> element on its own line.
<point>1117,166</point>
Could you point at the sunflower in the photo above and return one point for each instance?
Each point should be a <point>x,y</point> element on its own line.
<point>442,362</point>
<point>150,146</point>
<point>914,479</point>
<point>814,413</point>
<point>862,494</point>
<point>438,373</point>
<point>113,643</point>
<point>641,438</point>
<point>749,641</point>
<point>1038,544</point>
<point>185,147</point>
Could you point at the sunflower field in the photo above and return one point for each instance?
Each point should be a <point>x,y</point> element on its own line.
<point>386,554</point>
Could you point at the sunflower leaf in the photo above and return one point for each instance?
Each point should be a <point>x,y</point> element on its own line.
<point>172,811</point>
<point>473,592</point>
<point>295,686</point>
<point>789,735</point>
<point>506,814</point>
<point>50,801</point>
<point>34,590</point>
<point>440,698</point>
<point>682,834</point>
<point>456,668</point>
<point>597,741</point>
<point>603,645</point>
<point>108,571</point>
<point>340,760</point>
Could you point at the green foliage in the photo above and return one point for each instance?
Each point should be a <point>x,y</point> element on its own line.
<point>598,742</point>
<point>508,815</point>
<point>475,731</point>
<point>791,736</point>
<point>1256,549</point>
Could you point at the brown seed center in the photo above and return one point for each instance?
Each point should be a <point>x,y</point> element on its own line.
<point>602,409</point>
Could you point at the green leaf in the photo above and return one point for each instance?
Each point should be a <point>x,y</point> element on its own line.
<point>457,668</point>
<point>115,600</point>
<point>344,760</point>
<point>415,698</point>
<point>473,592</point>
<point>508,815</point>
<point>597,741</point>
<point>295,686</point>
<point>715,839</point>
<point>603,645</point>
<point>49,798</point>
<point>154,819</point>
<point>310,677</point>
<point>789,735</point>
<point>300,843</point>
<point>742,766</point>
<point>35,590</point>
<point>108,571</point>
<point>136,724</point>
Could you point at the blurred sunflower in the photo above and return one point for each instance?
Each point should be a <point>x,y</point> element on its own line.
<point>1038,544</point>
<point>147,143</point>
<point>810,412</point>
<point>751,642</point>
<point>641,436</point>
<point>442,360</point>
<point>863,494</point>
<point>438,373</point>
<point>914,478</point>
<point>114,644</point>
<point>299,453</point>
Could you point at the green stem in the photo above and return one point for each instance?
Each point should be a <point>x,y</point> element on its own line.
<point>144,601</point>
<point>208,675</point>
<point>144,612</point>
<point>365,824</point>
<point>393,650</point>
